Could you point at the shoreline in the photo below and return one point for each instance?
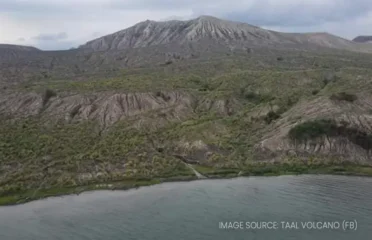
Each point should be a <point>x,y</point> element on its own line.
<point>272,171</point>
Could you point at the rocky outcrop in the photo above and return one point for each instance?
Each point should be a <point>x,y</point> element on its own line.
<point>350,142</point>
<point>110,107</point>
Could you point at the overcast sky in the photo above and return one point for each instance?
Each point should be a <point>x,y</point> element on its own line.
<point>62,24</point>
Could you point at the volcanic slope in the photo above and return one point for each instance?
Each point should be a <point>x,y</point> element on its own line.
<point>136,110</point>
<point>210,30</point>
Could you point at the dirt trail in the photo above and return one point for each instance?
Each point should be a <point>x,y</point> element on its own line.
<point>198,174</point>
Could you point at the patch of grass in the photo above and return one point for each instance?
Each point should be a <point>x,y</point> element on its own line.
<point>8,200</point>
<point>30,195</point>
<point>204,169</point>
<point>253,169</point>
<point>39,155</point>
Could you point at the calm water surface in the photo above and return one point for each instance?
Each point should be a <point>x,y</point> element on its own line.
<point>193,210</point>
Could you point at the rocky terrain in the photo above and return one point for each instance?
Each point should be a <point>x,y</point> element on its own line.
<point>151,33</point>
<point>11,52</point>
<point>153,100</point>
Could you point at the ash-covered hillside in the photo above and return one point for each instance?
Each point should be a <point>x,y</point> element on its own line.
<point>210,30</point>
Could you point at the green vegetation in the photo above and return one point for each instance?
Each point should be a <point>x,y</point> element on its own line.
<point>325,127</point>
<point>271,116</point>
<point>313,129</point>
<point>48,156</point>
<point>47,94</point>
<point>34,194</point>
<point>233,103</point>
<point>295,167</point>
<point>299,168</point>
<point>343,96</point>
<point>315,92</point>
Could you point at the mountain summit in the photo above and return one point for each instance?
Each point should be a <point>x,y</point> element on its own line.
<point>210,30</point>
<point>150,33</point>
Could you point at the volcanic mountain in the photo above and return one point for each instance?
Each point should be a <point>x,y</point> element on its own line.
<point>150,42</point>
<point>151,101</point>
<point>210,30</point>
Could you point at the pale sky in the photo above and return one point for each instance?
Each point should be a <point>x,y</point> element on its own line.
<point>62,24</point>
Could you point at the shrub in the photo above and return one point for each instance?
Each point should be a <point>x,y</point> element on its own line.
<point>48,93</point>
<point>205,87</point>
<point>289,103</point>
<point>271,116</point>
<point>312,129</point>
<point>343,96</point>
<point>163,96</point>
<point>315,92</point>
<point>252,96</point>
<point>325,127</point>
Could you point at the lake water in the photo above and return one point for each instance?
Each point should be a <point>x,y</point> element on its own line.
<point>194,210</point>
